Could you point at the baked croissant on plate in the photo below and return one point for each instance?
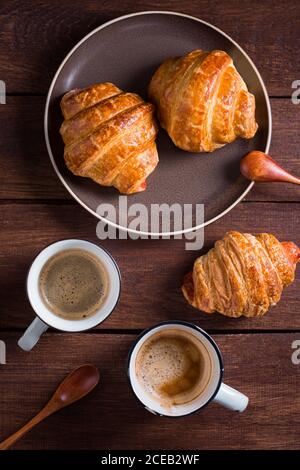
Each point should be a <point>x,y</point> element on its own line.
<point>242,275</point>
<point>109,136</point>
<point>202,101</point>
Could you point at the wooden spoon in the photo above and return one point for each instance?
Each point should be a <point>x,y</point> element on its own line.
<point>258,166</point>
<point>75,386</point>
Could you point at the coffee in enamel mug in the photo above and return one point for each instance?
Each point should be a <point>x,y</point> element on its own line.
<point>72,285</point>
<point>175,369</point>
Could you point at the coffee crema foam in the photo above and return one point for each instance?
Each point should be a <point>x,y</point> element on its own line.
<point>73,284</point>
<point>174,367</point>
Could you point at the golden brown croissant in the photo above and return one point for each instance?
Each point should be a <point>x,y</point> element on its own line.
<point>242,275</point>
<point>202,101</point>
<point>109,136</point>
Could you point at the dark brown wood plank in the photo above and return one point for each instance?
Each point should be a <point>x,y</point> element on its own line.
<point>35,37</point>
<point>26,171</point>
<point>151,270</point>
<point>111,418</point>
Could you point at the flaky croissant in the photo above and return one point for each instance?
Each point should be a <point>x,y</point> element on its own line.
<point>202,101</point>
<point>242,275</point>
<point>109,136</point>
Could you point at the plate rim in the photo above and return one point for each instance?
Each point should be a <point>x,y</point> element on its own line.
<point>46,113</point>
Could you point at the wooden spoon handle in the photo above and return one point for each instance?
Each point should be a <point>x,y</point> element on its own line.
<point>7,443</point>
<point>258,166</point>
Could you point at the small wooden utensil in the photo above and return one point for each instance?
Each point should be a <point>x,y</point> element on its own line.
<point>79,383</point>
<point>258,166</point>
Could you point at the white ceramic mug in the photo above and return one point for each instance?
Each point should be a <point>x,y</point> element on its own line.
<point>215,390</point>
<point>45,317</point>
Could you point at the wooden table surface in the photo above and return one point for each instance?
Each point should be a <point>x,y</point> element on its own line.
<point>36,210</point>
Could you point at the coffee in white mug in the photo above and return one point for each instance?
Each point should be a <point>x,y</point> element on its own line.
<point>73,284</point>
<point>173,366</point>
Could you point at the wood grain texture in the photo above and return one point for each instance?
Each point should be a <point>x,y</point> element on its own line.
<point>26,171</point>
<point>152,270</point>
<point>36,36</point>
<point>111,418</point>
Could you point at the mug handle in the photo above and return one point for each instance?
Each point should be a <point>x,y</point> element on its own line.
<point>32,334</point>
<point>231,398</point>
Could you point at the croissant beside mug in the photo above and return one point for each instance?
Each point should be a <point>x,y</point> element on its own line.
<point>109,135</point>
<point>242,275</point>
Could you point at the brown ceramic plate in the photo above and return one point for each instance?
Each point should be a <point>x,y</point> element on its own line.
<point>126,51</point>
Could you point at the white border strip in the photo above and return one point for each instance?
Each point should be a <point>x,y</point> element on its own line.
<point>139,232</point>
